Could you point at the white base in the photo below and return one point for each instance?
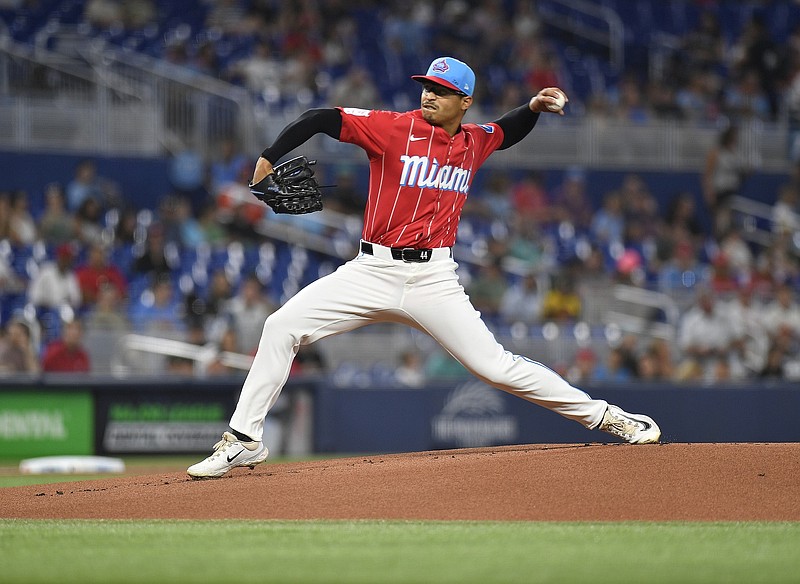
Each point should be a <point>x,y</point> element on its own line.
<point>71,465</point>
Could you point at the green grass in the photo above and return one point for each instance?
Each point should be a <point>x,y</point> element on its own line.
<point>396,551</point>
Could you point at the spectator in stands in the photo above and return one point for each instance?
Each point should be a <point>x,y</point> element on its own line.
<point>656,362</point>
<point>755,50</point>
<point>511,94</point>
<point>682,270</point>
<point>498,200</point>
<point>722,279</point>
<point>17,353</point>
<point>22,227</point>
<point>647,366</point>
<point>67,354</point>
<point>442,366</point>
<point>85,184</point>
<point>628,102</point>
<point>792,103</point>
<point>608,223</point>
<point>205,60</point>
<point>154,261</point>
<point>206,310</point>
<point>662,98</point>
<point>247,311</point>
<point>97,272</point>
<point>523,301</point>
<point>226,168</point>
<point>543,66</point>
<point>697,99</point>
<point>10,281</point>
<point>529,199</point>
<point>738,253</point>
<point>641,212</point>
<point>188,174</point>
<point>562,302</point>
<point>524,245</point>
<point>189,231</point>
<point>723,175</point>
<point>127,228</point>
<point>347,197</point>
<point>55,284</point>
<point>782,321</point>
<point>750,340</point>
<point>744,100</point>
<point>704,45</point>
<point>107,312</point>
<point>103,14</point>
<point>786,211</point>
<point>571,202</point>
<point>309,361</point>
<point>213,232</point>
<point>583,369</point>
<point>487,289</point>
<point>56,224</point>
<point>355,88</point>
<point>259,71</point>
<point>139,13</point>
<point>613,370</point>
<point>681,221</point>
<point>629,268</point>
<point>88,222</point>
<point>226,16</point>
<point>766,273</point>
<point>237,209</point>
<point>705,337</point>
<point>782,315</point>
<point>410,372</point>
<point>5,215</point>
<point>159,311</point>
<point>227,343</point>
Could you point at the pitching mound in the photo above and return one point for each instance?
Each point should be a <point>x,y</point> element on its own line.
<point>591,482</point>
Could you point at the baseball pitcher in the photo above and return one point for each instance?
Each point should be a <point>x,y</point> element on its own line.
<point>422,164</point>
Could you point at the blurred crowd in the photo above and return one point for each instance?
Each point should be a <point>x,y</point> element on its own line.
<point>542,254</point>
<point>361,53</point>
<point>707,61</point>
<point>88,262</point>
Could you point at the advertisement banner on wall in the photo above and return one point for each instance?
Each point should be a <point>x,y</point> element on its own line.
<point>173,421</point>
<point>473,415</point>
<point>34,423</point>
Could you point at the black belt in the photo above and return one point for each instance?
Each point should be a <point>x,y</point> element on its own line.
<point>407,254</point>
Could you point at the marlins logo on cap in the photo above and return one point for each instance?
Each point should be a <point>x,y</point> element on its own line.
<point>451,73</point>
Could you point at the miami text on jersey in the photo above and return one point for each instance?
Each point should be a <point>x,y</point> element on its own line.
<point>419,171</point>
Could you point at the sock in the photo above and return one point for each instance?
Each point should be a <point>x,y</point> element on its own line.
<point>242,437</point>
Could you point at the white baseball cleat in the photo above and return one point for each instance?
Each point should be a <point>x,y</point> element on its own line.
<point>632,428</point>
<point>229,453</point>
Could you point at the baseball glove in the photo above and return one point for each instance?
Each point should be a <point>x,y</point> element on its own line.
<point>291,189</point>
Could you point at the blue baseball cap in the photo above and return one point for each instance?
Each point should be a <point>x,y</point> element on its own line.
<point>451,73</point>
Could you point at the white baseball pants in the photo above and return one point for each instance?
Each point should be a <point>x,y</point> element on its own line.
<point>427,296</point>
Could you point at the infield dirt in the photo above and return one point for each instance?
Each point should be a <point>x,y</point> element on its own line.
<point>587,482</point>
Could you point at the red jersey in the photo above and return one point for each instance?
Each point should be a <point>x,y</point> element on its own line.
<point>90,279</point>
<point>58,357</point>
<point>419,175</point>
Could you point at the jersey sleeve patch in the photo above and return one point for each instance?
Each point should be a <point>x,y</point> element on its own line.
<point>355,111</point>
<point>487,128</point>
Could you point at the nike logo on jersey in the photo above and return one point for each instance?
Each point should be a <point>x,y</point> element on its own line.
<point>230,458</point>
<point>419,171</point>
<point>414,138</point>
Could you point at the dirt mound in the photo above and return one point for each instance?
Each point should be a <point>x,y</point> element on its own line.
<point>588,482</point>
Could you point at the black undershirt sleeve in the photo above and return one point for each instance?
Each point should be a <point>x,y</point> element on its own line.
<point>516,124</point>
<point>314,121</point>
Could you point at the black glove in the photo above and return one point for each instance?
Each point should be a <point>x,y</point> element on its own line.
<point>291,188</point>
